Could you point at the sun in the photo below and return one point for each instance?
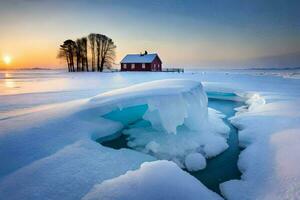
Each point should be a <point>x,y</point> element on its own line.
<point>7,59</point>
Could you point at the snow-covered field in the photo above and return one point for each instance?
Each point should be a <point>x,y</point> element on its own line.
<point>49,121</point>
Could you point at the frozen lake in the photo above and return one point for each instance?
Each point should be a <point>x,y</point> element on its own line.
<point>47,137</point>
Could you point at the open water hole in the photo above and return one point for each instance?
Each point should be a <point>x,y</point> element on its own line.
<point>218,170</point>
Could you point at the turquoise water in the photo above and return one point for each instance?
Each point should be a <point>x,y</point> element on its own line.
<point>129,117</point>
<point>123,116</point>
<point>211,94</point>
<point>223,96</point>
<point>219,169</point>
<point>224,166</point>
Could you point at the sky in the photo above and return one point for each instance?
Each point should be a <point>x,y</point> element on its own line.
<point>185,33</point>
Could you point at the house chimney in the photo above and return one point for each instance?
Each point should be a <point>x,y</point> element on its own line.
<point>146,52</point>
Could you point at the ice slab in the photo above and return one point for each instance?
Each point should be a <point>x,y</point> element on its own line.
<point>195,162</point>
<point>171,103</point>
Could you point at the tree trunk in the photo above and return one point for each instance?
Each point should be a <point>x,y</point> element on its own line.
<point>68,62</point>
<point>98,61</point>
<point>93,58</point>
<point>78,61</point>
<point>102,65</point>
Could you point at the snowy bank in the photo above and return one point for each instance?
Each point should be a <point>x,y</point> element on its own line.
<point>69,173</point>
<point>269,132</point>
<point>157,180</point>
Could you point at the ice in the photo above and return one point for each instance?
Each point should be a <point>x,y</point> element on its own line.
<point>154,180</point>
<point>171,103</point>
<point>195,162</point>
<point>170,111</point>
<point>166,113</point>
<point>180,120</point>
<point>208,141</point>
<point>254,101</point>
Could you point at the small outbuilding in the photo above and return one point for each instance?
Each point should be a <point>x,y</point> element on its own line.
<point>141,62</point>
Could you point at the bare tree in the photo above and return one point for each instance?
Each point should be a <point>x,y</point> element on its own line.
<point>102,48</point>
<point>92,40</point>
<point>98,49</point>
<point>85,53</point>
<point>105,51</point>
<point>68,49</point>
<point>62,54</point>
<point>79,55</point>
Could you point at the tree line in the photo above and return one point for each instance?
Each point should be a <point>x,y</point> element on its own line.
<point>76,53</point>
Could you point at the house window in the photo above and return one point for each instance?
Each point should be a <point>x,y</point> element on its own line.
<point>132,66</point>
<point>124,66</point>
<point>144,66</point>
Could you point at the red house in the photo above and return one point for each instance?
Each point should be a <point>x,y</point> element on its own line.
<point>141,62</point>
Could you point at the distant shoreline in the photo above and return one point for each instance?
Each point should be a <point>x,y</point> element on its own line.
<point>192,68</point>
<point>34,68</point>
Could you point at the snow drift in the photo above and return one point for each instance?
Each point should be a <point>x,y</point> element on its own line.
<point>157,180</point>
<point>269,163</point>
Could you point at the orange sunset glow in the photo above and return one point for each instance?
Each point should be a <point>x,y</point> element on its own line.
<point>29,54</point>
<point>32,35</point>
<point>7,59</point>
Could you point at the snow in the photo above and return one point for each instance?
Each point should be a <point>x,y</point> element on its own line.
<point>278,176</point>
<point>154,180</point>
<point>40,133</point>
<point>137,58</point>
<point>269,131</point>
<point>69,173</point>
<point>48,123</point>
<point>195,162</point>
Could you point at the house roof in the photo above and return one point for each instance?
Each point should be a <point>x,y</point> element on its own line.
<point>138,58</point>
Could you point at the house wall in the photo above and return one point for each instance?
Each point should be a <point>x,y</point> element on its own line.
<point>137,67</point>
<point>156,65</point>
